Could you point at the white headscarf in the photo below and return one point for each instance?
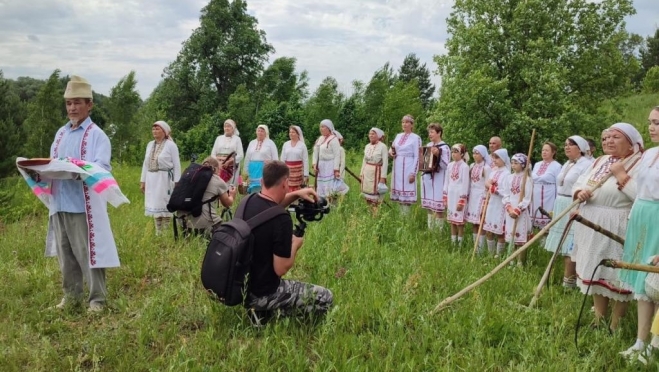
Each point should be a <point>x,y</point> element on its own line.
<point>378,132</point>
<point>582,143</point>
<point>299,132</point>
<point>233,125</point>
<point>265,128</point>
<point>165,127</point>
<point>503,154</point>
<point>328,123</point>
<point>631,133</point>
<point>482,150</point>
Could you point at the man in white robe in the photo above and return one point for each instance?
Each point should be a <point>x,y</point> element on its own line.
<point>79,228</point>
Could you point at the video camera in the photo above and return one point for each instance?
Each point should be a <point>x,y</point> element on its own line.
<point>306,211</point>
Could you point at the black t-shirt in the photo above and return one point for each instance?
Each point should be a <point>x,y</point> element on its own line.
<point>271,238</point>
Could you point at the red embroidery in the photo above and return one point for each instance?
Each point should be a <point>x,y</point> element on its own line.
<point>543,168</point>
<point>403,139</point>
<point>516,186</point>
<point>455,171</point>
<point>476,172</point>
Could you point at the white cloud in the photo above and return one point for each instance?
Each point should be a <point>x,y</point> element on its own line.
<point>347,39</point>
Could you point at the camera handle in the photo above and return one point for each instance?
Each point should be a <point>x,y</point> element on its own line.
<point>300,228</point>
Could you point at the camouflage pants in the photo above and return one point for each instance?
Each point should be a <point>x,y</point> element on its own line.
<point>293,297</point>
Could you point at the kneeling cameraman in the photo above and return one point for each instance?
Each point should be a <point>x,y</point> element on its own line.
<point>275,249</point>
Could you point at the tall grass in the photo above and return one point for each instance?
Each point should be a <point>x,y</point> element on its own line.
<point>386,274</point>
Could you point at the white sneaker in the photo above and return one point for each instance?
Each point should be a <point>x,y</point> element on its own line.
<point>95,307</point>
<point>61,305</point>
<point>633,350</point>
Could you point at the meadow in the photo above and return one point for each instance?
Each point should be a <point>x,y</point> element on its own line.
<point>386,272</point>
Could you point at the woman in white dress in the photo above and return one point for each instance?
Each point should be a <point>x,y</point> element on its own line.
<point>374,169</point>
<point>405,151</point>
<point>478,172</point>
<point>577,164</point>
<point>226,144</point>
<point>544,175</point>
<point>161,171</point>
<point>518,225</point>
<point>326,159</point>
<point>609,207</point>
<point>259,151</point>
<point>339,186</point>
<point>495,213</point>
<point>294,153</point>
<point>642,242</point>
<point>432,183</point>
<point>456,191</point>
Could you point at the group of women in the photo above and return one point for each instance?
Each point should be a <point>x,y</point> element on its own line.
<point>493,191</point>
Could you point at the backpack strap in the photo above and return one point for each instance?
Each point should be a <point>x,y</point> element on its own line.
<point>240,211</point>
<point>260,218</point>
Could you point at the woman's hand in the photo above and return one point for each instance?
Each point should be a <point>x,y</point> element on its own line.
<point>411,178</point>
<point>383,180</point>
<point>584,195</point>
<point>337,174</point>
<point>435,151</point>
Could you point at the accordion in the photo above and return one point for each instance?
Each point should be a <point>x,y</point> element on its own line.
<point>429,162</point>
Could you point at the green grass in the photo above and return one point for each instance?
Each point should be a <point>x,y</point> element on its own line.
<point>386,275</point>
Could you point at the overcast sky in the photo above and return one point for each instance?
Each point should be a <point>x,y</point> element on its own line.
<point>103,40</point>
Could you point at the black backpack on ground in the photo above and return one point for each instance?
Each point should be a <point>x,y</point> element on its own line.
<point>229,254</point>
<point>188,193</point>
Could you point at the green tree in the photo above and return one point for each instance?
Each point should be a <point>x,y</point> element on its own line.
<point>352,120</point>
<point>401,100</point>
<point>651,81</point>
<point>225,51</point>
<point>650,52</point>
<point>44,118</point>
<point>325,103</point>
<point>375,93</point>
<point>10,120</point>
<point>412,69</point>
<point>516,65</point>
<point>122,105</point>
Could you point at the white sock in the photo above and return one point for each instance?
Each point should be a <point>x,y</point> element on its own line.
<point>490,246</point>
<point>639,345</point>
<point>481,243</point>
<point>454,238</point>
<point>500,247</point>
<point>405,209</point>
<point>431,221</point>
<point>460,239</point>
<point>439,223</point>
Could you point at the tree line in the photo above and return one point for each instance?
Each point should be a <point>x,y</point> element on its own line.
<point>510,66</point>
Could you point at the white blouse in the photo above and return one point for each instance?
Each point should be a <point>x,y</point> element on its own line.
<point>647,179</point>
<point>298,152</point>
<point>260,151</point>
<point>570,173</point>
<point>225,145</point>
<point>327,148</point>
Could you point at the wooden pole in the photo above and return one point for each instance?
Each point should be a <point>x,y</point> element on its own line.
<point>480,226</point>
<point>599,229</point>
<point>447,301</point>
<point>521,194</point>
<point>545,276</point>
<point>630,266</point>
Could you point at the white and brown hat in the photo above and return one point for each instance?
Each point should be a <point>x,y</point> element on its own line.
<point>78,87</point>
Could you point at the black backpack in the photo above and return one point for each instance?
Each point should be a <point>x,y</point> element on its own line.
<point>188,193</point>
<point>229,254</point>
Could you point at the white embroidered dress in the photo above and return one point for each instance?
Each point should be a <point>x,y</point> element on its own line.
<point>495,214</point>
<point>327,159</point>
<point>478,174</point>
<point>544,190</point>
<point>512,190</point>
<point>374,167</point>
<point>224,146</point>
<point>609,208</point>
<point>456,189</point>
<point>406,164</point>
<point>432,184</point>
<point>160,170</point>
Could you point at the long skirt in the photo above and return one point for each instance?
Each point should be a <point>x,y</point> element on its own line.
<point>544,195</point>
<point>641,243</point>
<point>475,206</point>
<point>556,231</point>
<point>255,174</point>
<point>495,217</point>
<point>369,186</point>
<point>591,247</point>
<point>522,229</point>
<point>325,177</point>
<point>432,192</point>
<point>296,175</point>
<point>402,191</point>
<point>158,188</point>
